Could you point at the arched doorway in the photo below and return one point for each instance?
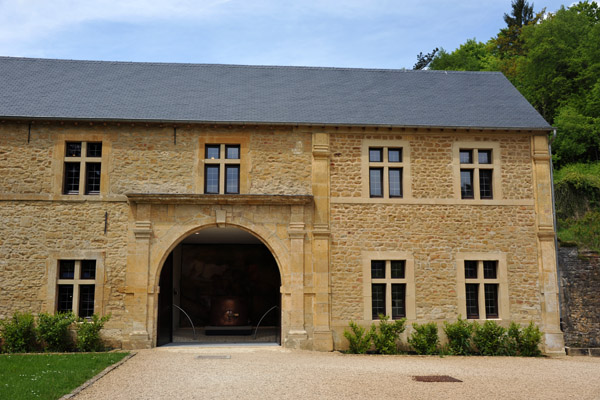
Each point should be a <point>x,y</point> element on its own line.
<point>219,285</point>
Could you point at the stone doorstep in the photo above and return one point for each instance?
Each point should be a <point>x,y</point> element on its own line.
<point>582,351</point>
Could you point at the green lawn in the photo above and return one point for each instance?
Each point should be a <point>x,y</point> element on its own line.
<point>49,376</point>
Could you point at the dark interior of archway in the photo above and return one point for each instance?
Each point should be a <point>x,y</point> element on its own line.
<point>244,272</point>
<point>205,278</point>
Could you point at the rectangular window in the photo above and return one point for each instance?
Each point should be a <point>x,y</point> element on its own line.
<point>75,289</point>
<point>82,163</point>
<point>398,300</point>
<point>378,299</point>
<point>385,172</point>
<point>395,178</point>
<point>491,300</point>
<point>222,169</point>
<point>481,285</point>
<point>466,183</point>
<point>472,297</point>
<point>476,174</point>
<point>232,179</point>
<point>388,288</point>
<point>376,182</point>
<point>485,183</point>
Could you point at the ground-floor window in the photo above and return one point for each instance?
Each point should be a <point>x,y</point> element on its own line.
<point>388,285</point>
<point>76,287</point>
<point>482,286</point>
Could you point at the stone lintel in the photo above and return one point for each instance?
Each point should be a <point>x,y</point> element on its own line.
<point>254,199</point>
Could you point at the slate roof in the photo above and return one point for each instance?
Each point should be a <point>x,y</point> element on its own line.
<point>163,92</point>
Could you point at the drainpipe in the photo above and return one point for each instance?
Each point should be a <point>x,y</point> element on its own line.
<point>558,277</point>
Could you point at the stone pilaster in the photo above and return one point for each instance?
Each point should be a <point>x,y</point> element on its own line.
<point>553,336</point>
<point>322,336</point>
<point>296,336</point>
<point>136,291</point>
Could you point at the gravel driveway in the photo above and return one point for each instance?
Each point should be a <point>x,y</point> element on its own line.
<point>277,373</point>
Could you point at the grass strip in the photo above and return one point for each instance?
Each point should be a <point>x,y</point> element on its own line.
<point>49,376</point>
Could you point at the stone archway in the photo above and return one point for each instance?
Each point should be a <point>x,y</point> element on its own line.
<point>218,285</point>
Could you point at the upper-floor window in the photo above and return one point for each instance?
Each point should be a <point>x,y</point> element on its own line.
<point>82,168</point>
<point>477,173</point>
<point>222,169</point>
<point>385,172</point>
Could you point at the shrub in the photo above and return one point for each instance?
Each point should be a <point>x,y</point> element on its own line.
<point>425,340</point>
<point>88,333</point>
<point>459,337</point>
<point>53,331</point>
<point>18,333</point>
<point>489,338</point>
<point>386,339</point>
<point>530,340</point>
<point>512,340</point>
<point>360,339</point>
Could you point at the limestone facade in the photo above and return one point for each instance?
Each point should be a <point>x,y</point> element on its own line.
<point>304,192</point>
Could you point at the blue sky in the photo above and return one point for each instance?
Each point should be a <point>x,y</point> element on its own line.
<point>331,33</point>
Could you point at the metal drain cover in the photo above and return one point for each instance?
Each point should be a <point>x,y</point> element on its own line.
<point>214,357</point>
<point>435,378</point>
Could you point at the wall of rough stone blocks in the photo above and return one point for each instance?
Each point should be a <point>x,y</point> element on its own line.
<point>580,299</point>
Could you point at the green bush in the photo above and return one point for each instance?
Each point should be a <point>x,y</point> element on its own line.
<point>88,333</point>
<point>424,339</point>
<point>512,340</point>
<point>18,333</point>
<point>530,339</point>
<point>53,331</point>
<point>459,337</point>
<point>386,339</point>
<point>489,338</point>
<point>360,339</point>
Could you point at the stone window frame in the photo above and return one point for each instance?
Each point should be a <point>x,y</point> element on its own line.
<point>495,166</point>
<point>54,279</point>
<point>226,140</point>
<point>60,158</point>
<point>385,165</point>
<point>501,280</point>
<point>409,280</point>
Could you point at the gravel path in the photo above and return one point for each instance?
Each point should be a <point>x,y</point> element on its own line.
<point>273,372</point>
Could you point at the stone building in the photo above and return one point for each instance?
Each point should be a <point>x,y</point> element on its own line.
<point>170,193</point>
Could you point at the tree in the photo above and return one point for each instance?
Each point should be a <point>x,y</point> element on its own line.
<point>424,60</point>
<point>522,14</point>
<point>470,56</point>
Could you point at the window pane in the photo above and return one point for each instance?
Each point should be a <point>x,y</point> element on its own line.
<point>94,149</point>
<point>466,156</point>
<point>489,269</point>
<point>485,156</point>
<point>376,182</point>
<point>395,155</point>
<point>66,269</point>
<point>73,149</point>
<point>470,269</point>
<point>232,179</point>
<point>378,297</point>
<point>397,268</point>
<point>86,300</point>
<point>485,183</point>
<point>232,152</point>
<point>92,178</point>
<point>213,152</point>
<point>72,178</point>
<point>88,269</point>
<point>398,300</point>
<point>472,296</point>
<point>466,183</point>
<point>375,154</point>
<point>377,269</point>
<point>395,177</point>
<point>491,300</point>
<point>211,179</point>
<point>65,298</point>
